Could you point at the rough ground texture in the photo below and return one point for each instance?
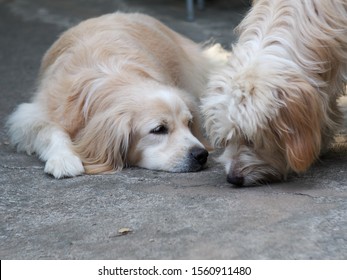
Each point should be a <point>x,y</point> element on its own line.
<point>171,216</point>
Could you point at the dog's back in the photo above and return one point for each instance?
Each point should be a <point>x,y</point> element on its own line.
<point>138,37</point>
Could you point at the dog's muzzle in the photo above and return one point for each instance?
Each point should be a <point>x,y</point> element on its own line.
<point>197,158</point>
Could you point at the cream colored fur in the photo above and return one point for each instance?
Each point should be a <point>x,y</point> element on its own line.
<point>113,91</point>
<point>274,106</point>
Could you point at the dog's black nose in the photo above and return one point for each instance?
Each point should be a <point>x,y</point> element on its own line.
<point>235,180</point>
<point>199,154</point>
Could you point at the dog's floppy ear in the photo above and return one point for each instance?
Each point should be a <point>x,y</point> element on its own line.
<point>103,144</point>
<point>298,125</point>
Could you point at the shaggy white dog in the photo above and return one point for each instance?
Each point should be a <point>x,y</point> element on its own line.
<point>274,106</point>
<point>117,90</point>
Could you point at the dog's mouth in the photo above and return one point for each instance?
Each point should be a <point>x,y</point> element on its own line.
<point>252,175</point>
<point>194,161</point>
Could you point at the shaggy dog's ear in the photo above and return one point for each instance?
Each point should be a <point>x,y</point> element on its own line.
<point>103,144</point>
<point>196,131</point>
<point>196,127</point>
<point>298,125</point>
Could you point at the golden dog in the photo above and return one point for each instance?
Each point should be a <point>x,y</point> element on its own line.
<point>114,91</point>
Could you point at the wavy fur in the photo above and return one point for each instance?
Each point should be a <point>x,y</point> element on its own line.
<point>275,101</point>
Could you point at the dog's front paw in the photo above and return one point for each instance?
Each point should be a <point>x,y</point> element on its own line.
<point>64,165</point>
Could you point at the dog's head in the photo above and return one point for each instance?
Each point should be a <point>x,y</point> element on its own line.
<point>269,121</point>
<point>150,127</point>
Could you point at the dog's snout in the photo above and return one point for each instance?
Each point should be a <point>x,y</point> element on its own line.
<point>235,180</point>
<point>199,154</point>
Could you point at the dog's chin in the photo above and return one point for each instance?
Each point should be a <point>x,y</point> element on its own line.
<point>181,167</point>
<point>188,166</point>
<point>193,160</point>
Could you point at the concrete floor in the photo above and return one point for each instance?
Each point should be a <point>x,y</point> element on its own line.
<point>171,216</point>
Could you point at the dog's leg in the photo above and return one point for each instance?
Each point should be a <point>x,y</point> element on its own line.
<point>32,132</point>
<point>56,150</point>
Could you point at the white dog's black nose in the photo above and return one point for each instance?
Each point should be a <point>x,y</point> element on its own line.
<point>235,180</point>
<point>199,154</point>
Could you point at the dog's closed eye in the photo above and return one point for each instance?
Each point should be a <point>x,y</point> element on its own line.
<point>160,129</point>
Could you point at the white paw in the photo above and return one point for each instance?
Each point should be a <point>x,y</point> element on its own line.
<point>64,165</point>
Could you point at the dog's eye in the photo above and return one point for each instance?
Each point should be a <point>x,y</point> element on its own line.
<point>160,129</point>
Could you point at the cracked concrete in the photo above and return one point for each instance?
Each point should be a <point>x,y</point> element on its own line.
<point>172,216</point>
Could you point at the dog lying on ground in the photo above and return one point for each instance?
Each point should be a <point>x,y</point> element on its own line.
<point>274,106</point>
<point>114,91</point>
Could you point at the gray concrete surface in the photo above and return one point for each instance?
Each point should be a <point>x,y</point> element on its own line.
<point>172,216</point>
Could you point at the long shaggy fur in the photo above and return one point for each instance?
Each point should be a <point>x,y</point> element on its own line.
<point>274,106</point>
